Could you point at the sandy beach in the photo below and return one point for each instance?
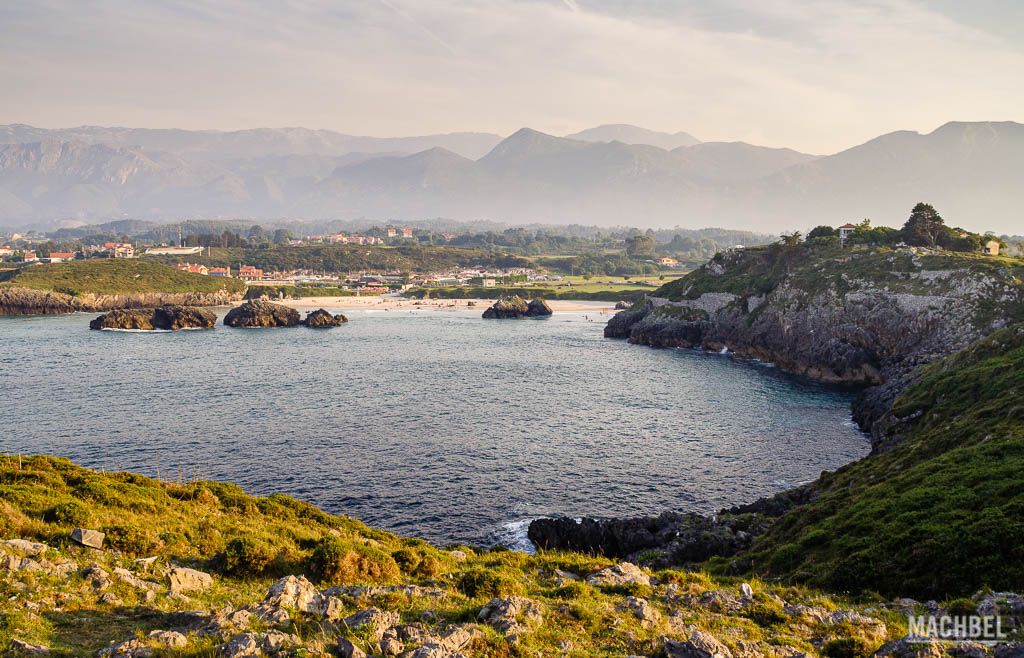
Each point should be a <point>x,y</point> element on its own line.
<point>389,302</point>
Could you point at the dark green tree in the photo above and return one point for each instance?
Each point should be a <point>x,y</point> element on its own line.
<point>822,231</point>
<point>924,227</point>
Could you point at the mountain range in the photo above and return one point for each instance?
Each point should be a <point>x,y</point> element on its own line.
<point>610,175</point>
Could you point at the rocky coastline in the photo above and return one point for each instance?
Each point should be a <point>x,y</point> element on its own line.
<point>28,301</point>
<point>517,307</point>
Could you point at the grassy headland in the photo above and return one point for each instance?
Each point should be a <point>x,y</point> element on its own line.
<point>116,277</point>
<point>247,542</point>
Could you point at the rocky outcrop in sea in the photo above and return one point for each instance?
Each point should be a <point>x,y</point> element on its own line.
<point>517,307</point>
<point>165,318</point>
<point>263,314</point>
<point>322,319</point>
<point>27,301</point>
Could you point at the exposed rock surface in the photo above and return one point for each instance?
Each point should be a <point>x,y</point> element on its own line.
<point>683,538</point>
<point>261,313</point>
<point>167,318</point>
<point>625,573</point>
<point>322,319</point>
<point>183,580</point>
<point>86,537</point>
<point>517,307</point>
<point>512,615</point>
<point>27,301</point>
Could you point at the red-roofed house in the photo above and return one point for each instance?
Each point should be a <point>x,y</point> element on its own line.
<point>250,273</point>
<point>61,256</point>
<point>844,232</point>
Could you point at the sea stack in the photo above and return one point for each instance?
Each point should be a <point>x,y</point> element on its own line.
<point>165,318</point>
<point>261,313</point>
<point>322,319</point>
<point>517,307</point>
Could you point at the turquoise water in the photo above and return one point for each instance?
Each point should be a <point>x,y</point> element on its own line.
<point>432,423</point>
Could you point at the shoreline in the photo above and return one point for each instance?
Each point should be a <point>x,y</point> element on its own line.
<point>389,302</point>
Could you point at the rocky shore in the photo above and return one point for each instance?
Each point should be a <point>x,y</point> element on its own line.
<point>27,301</point>
<point>259,313</point>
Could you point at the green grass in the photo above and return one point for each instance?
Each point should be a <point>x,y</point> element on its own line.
<point>940,514</point>
<point>247,542</point>
<point>116,277</point>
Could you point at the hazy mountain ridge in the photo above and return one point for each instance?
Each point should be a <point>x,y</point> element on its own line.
<point>627,134</point>
<point>973,172</point>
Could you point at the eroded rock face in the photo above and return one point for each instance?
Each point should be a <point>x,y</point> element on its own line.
<point>537,308</point>
<point>25,301</point>
<point>86,537</point>
<point>261,313</point>
<point>322,319</point>
<point>625,573</point>
<point>183,580</point>
<point>507,307</point>
<point>167,318</point>
<point>512,615</point>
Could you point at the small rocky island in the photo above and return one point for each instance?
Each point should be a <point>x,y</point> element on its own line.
<point>322,319</point>
<point>261,313</point>
<point>165,318</point>
<point>517,307</point>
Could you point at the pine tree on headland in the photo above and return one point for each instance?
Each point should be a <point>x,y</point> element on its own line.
<point>924,227</point>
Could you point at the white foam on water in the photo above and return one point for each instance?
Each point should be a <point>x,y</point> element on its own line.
<point>138,331</point>
<point>513,535</point>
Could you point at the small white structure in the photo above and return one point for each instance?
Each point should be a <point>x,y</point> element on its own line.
<point>844,232</point>
<point>991,248</point>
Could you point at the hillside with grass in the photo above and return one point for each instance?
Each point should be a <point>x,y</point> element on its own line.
<point>942,511</point>
<point>196,568</point>
<point>116,277</point>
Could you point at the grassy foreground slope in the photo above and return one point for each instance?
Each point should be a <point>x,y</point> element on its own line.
<point>940,513</point>
<point>76,600</point>
<point>116,277</point>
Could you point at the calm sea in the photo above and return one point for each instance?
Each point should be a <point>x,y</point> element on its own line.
<point>431,423</point>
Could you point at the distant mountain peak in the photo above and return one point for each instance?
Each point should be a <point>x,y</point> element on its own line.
<point>630,134</point>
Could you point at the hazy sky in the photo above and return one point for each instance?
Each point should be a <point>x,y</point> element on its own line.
<point>817,75</point>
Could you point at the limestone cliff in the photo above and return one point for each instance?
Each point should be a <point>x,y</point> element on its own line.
<point>846,317</point>
<point>26,301</point>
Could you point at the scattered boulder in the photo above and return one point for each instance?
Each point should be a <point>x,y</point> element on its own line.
<point>322,319</point>
<point>169,639</point>
<point>746,592</point>
<point>348,650</point>
<point>374,621</point>
<point>249,645</point>
<point>512,615</point>
<point>167,318</point>
<point>911,648</point>
<point>183,580</point>
<point>625,573</point>
<point>86,537</point>
<point>698,645</point>
<point>641,609</point>
<point>24,547</point>
<point>622,305</point>
<point>25,649</point>
<point>261,313</point>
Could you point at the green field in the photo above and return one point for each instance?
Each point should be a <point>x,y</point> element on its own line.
<point>115,277</point>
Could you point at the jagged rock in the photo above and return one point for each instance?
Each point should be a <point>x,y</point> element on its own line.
<point>699,645</point>
<point>911,648</point>
<point>625,573</point>
<point>390,644</point>
<point>322,319</point>
<point>746,592</point>
<point>346,649</point>
<point>537,308</point>
<point>167,318</point>
<point>97,576</point>
<point>86,537</point>
<point>507,307</point>
<point>25,301</point>
<point>183,580</point>
<point>168,639</point>
<point>640,608</point>
<point>24,547</point>
<point>622,305</point>
<point>249,645</point>
<point>374,621</point>
<point>132,580</point>
<point>297,593</point>
<point>261,313</point>
<point>1009,650</point>
<point>512,615</point>
<point>683,538</point>
<point>25,649</point>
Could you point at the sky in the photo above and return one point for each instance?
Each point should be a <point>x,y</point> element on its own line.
<point>814,75</point>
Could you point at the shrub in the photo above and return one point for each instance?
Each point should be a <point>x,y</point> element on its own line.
<point>246,558</point>
<point>70,513</point>
<point>488,583</point>
<point>340,562</point>
<point>847,647</point>
<point>765,615</point>
<point>962,608</point>
<point>130,539</point>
